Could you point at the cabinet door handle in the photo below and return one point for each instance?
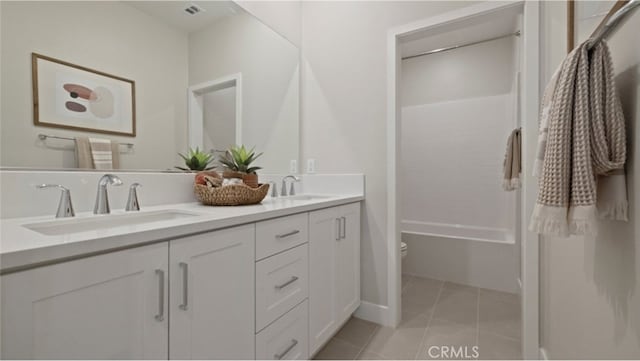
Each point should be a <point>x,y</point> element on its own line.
<point>338,225</point>
<point>160,316</point>
<point>185,286</point>
<point>281,355</point>
<point>344,228</point>
<point>285,235</point>
<point>293,279</point>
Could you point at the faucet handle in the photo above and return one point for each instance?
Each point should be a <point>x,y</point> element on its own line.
<point>274,189</point>
<point>132,201</point>
<point>65,207</point>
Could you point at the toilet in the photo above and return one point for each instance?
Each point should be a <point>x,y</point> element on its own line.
<point>403,249</point>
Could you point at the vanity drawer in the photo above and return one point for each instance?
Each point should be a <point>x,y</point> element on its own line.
<point>277,235</point>
<point>285,339</point>
<point>281,283</point>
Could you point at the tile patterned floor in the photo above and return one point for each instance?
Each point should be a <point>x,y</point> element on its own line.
<point>436,316</point>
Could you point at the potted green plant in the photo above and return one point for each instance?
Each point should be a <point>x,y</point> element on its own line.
<point>196,160</point>
<point>237,162</point>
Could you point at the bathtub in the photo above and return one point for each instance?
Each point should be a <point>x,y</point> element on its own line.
<point>475,256</point>
<point>473,233</point>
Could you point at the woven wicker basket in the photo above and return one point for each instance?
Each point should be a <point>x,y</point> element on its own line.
<point>231,195</point>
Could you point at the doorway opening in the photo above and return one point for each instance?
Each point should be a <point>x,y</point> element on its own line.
<point>215,114</point>
<point>447,130</point>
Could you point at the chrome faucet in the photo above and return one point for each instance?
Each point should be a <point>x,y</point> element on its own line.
<point>102,198</point>
<point>65,208</point>
<point>132,201</point>
<point>292,190</point>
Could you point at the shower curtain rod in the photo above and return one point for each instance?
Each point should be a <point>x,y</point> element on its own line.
<point>604,31</point>
<point>516,33</point>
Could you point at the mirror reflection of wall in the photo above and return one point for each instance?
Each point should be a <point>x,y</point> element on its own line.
<point>268,68</point>
<point>219,120</point>
<point>165,50</point>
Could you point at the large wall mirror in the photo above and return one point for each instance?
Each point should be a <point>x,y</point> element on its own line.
<point>153,77</point>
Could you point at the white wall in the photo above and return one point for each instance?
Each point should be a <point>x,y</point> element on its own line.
<point>219,119</point>
<point>119,40</point>
<point>282,16</point>
<point>470,72</point>
<point>457,112</point>
<point>590,287</point>
<point>270,92</point>
<point>344,47</point>
<point>451,163</point>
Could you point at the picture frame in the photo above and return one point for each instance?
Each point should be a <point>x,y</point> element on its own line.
<point>74,97</point>
<point>586,13</point>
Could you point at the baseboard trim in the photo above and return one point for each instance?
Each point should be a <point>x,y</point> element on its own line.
<point>543,354</point>
<point>373,313</point>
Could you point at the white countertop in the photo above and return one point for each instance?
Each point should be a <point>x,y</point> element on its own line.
<point>21,247</point>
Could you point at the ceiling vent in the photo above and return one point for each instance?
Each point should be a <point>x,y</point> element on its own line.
<point>193,9</point>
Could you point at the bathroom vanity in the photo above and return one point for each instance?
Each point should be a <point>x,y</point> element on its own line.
<point>270,281</point>
<point>176,280</point>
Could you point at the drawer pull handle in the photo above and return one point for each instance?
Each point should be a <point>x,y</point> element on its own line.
<point>185,286</point>
<point>343,235</point>
<point>279,236</point>
<point>160,316</point>
<point>280,356</point>
<point>293,279</point>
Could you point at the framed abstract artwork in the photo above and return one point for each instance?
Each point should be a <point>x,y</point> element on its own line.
<point>585,17</point>
<point>74,97</point>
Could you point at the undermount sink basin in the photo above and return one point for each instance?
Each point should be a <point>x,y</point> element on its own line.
<point>305,197</point>
<point>93,223</point>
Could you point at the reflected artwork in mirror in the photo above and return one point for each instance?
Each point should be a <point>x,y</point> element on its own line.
<point>207,74</point>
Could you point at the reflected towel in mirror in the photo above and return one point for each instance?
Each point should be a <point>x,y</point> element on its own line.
<point>96,153</point>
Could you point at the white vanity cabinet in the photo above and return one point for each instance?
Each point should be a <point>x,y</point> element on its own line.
<point>192,297</point>
<point>212,295</point>
<point>112,306</point>
<point>334,270</point>
<point>275,289</point>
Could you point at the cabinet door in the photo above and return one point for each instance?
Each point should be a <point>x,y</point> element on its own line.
<point>348,262</point>
<point>323,236</point>
<point>111,306</point>
<point>212,295</point>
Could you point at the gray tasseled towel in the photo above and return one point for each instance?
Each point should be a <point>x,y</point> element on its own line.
<point>512,162</point>
<point>582,147</point>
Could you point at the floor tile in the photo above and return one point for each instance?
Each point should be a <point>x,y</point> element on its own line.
<point>495,347</point>
<point>406,279</point>
<point>356,331</point>
<point>448,340</point>
<point>459,305</point>
<point>420,296</point>
<point>499,296</point>
<point>458,287</point>
<point>498,317</point>
<point>368,355</point>
<point>401,343</point>
<point>338,350</point>
<point>436,313</point>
